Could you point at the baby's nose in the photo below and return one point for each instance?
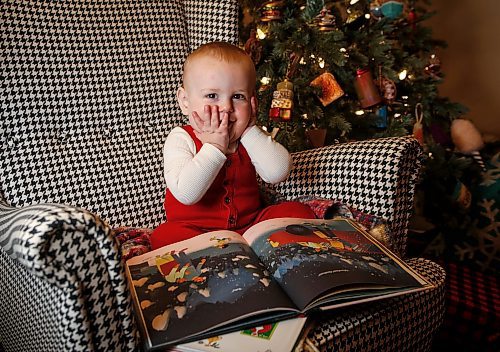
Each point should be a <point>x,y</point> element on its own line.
<point>226,107</point>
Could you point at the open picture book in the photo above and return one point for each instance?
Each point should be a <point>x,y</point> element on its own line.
<point>220,282</point>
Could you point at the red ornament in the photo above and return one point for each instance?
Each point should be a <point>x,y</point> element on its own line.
<point>368,94</point>
<point>412,19</point>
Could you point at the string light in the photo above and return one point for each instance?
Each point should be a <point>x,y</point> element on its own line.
<point>402,75</point>
<point>360,112</point>
<point>265,80</point>
<point>321,62</point>
<point>260,34</point>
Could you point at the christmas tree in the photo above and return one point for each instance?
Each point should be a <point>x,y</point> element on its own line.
<point>358,69</point>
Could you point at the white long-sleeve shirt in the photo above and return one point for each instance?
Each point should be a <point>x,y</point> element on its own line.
<point>189,174</point>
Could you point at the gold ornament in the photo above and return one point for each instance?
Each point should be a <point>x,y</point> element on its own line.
<point>330,88</point>
<point>282,103</point>
<point>271,11</point>
<point>325,21</point>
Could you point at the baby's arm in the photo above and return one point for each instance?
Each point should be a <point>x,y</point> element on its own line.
<point>271,160</point>
<point>189,174</point>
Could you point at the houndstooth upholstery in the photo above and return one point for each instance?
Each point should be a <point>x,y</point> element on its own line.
<point>87,99</point>
<point>375,176</point>
<point>403,323</point>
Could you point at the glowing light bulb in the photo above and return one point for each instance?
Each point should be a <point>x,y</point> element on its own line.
<point>402,75</point>
<point>265,80</point>
<point>321,62</point>
<point>260,34</point>
<point>360,112</point>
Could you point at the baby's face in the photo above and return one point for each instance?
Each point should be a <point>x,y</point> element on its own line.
<point>228,85</point>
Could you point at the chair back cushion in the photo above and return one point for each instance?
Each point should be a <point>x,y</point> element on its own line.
<point>88,97</point>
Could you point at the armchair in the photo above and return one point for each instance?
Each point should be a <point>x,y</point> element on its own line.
<point>87,100</point>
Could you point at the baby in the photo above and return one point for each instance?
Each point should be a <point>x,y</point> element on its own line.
<point>211,165</point>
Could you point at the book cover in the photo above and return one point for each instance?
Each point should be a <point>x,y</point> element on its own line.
<point>281,336</point>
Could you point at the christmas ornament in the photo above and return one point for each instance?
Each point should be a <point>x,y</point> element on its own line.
<point>366,90</point>
<point>271,11</point>
<point>388,89</point>
<point>461,194</point>
<point>412,19</point>
<point>418,127</point>
<point>253,47</point>
<point>467,139</point>
<point>316,136</point>
<point>375,9</point>
<point>381,120</point>
<point>282,103</point>
<point>355,15</point>
<point>392,9</point>
<point>325,21</point>
<point>330,89</point>
<point>433,68</point>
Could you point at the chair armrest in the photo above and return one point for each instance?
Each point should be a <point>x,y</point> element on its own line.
<point>375,176</point>
<point>68,252</point>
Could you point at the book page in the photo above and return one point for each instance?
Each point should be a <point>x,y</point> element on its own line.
<point>198,284</point>
<point>313,259</point>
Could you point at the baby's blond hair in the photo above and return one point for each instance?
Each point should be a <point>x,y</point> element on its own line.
<point>222,51</point>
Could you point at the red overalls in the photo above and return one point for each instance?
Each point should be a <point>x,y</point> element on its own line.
<point>232,202</point>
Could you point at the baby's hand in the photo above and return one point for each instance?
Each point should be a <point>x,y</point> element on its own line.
<point>212,127</point>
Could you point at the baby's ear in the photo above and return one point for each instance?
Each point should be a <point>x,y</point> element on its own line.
<point>182,99</point>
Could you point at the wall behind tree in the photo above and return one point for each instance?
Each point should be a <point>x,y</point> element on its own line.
<point>471,61</point>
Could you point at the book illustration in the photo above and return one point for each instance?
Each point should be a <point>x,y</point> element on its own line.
<point>220,282</point>
<point>275,337</point>
<point>310,258</point>
<point>177,287</point>
<point>262,332</point>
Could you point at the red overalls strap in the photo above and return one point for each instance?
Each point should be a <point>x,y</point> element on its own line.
<point>231,202</point>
